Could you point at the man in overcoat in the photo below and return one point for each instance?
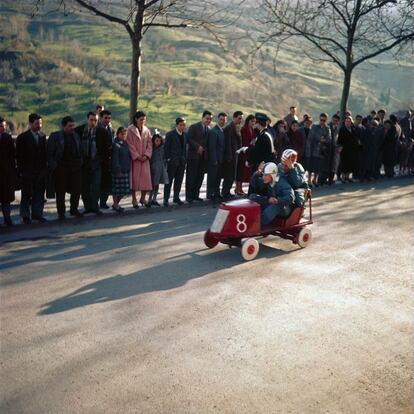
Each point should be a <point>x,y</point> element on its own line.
<point>197,157</point>
<point>232,142</point>
<point>215,157</point>
<point>106,177</point>
<point>32,170</point>
<point>95,149</point>
<point>64,157</point>
<point>174,151</point>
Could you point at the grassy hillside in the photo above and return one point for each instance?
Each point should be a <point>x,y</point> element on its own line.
<point>59,65</point>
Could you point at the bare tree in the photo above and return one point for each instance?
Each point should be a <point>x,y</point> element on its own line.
<point>343,32</point>
<point>138,16</point>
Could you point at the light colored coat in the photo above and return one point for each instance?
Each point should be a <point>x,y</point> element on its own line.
<point>140,145</point>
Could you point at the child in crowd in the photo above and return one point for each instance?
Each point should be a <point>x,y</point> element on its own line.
<point>121,163</point>
<point>159,173</point>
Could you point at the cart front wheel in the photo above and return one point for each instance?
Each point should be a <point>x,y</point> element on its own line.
<point>304,237</point>
<point>250,249</point>
<point>209,240</point>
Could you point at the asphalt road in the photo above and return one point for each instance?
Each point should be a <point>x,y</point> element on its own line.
<point>134,314</point>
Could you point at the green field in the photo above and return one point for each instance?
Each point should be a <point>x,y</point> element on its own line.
<point>66,64</point>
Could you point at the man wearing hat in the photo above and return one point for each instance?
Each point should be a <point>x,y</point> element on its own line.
<point>263,150</point>
<point>274,194</point>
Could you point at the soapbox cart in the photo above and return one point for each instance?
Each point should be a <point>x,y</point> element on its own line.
<point>237,223</point>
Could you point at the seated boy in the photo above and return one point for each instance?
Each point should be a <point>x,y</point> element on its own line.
<point>274,195</point>
<point>294,174</point>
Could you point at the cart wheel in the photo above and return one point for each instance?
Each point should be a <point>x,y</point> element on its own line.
<point>209,240</point>
<point>250,249</point>
<point>304,237</point>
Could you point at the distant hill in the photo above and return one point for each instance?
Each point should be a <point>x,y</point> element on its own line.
<point>59,65</point>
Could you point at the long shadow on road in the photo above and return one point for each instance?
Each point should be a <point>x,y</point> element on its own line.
<point>164,276</point>
<point>81,245</point>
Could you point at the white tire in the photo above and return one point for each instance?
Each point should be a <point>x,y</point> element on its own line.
<point>304,237</point>
<point>250,249</point>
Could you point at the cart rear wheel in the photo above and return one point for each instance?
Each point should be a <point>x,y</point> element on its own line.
<point>250,249</point>
<point>304,237</point>
<point>209,240</point>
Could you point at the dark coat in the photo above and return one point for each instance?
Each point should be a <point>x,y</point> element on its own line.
<point>348,140</point>
<point>390,146</point>
<point>232,142</point>
<point>159,173</point>
<point>106,176</point>
<point>103,150</point>
<point>196,138</point>
<point>31,157</point>
<point>281,190</point>
<point>281,143</point>
<point>120,158</point>
<point>262,150</point>
<point>7,168</point>
<point>55,147</point>
<point>173,150</point>
<point>297,142</point>
<point>216,146</point>
<point>335,154</point>
<point>54,150</point>
<point>407,127</point>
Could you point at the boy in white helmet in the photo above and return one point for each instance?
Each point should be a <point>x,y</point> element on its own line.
<point>274,195</point>
<point>294,173</point>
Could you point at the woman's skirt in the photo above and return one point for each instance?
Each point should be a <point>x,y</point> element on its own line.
<point>120,184</point>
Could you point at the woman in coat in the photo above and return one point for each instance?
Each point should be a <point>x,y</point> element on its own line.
<point>121,164</point>
<point>140,147</point>
<point>248,135</point>
<point>348,140</point>
<point>7,172</point>
<point>296,140</point>
<point>281,140</point>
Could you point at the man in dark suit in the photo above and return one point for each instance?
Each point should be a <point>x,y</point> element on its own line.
<point>94,147</point>
<point>32,170</point>
<point>106,177</point>
<point>64,157</point>
<point>232,142</point>
<point>196,157</point>
<point>174,151</point>
<point>215,157</point>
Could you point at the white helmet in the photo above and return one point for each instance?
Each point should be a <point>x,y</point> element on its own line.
<point>289,157</point>
<point>270,168</point>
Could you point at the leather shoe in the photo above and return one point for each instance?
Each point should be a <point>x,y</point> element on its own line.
<point>189,200</point>
<point>40,219</point>
<point>104,206</point>
<point>166,204</point>
<point>76,213</point>
<point>178,201</point>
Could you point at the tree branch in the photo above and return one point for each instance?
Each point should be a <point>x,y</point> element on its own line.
<point>150,3</point>
<point>106,16</point>
<point>165,25</point>
<point>398,41</point>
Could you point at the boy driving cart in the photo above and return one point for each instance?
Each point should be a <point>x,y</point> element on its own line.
<point>274,194</point>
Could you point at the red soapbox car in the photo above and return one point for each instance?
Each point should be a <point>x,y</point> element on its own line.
<point>237,223</point>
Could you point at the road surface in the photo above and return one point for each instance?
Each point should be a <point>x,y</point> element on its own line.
<point>134,315</point>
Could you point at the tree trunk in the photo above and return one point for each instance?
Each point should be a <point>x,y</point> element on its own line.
<point>135,76</point>
<point>345,90</point>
